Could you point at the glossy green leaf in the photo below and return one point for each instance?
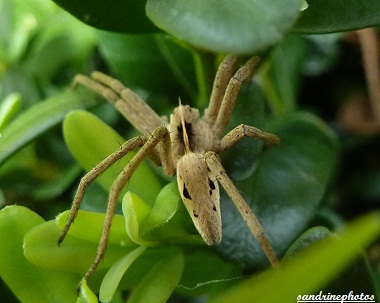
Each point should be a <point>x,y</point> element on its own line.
<point>285,189</point>
<point>160,281</point>
<point>82,135</point>
<point>140,61</point>
<point>135,210</point>
<point>324,260</point>
<point>38,119</point>
<point>40,248</point>
<point>27,281</point>
<point>119,16</point>
<point>338,15</point>
<point>88,226</point>
<point>115,273</point>
<point>243,27</point>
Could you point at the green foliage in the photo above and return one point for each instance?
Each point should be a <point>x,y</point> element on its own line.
<point>337,16</point>
<point>154,252</point>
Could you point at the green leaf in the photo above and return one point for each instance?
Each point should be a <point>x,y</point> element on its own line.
<point>118,16</point>
<point>86,295</point>
<point>338,16</point>
<point>163,210</point>
<point>243,27</point>
<point>169,221</point>
<point>116,272</point>
<point>356,278</point>
<point>324,260</point>
<point>310,236</point>
<point>88,226</point>
<point>40,248</point>
<point>135,210</point>
<point>200,275</point>
<point>281,74</point>
<point>139,61</point>
<point>81,131</point>
<point>285,189</point>
<point>160,281</point>
<point>27,281</point>
<point>38,119</point>
<point>240,161</point>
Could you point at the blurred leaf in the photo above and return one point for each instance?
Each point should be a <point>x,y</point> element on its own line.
<point>324,260</point>
<point>118,16</point>
<point>58,185</point>
<point>281,74</point>
<point>240,161</point>
<point>357,278</point>
<point>116,272</point>
<point>8,108</point>
<point>19,22</point>
<point>338,16</point>
<point>81,131</point>
<point>27,281</point>
<point>36,120</point>
<point>308,238</point>
<point>244,27</point>
<point>160,281</point>
<point>140,61</point>
<point>285,189</point>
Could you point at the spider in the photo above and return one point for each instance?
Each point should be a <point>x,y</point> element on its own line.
<point>187,146</point>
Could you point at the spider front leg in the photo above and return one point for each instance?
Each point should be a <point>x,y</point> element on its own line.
<point>249,217</point>
<point>148,145</point>
<point>241,131</point>
<point>93,174</point>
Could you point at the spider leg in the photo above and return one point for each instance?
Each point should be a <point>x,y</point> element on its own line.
<point>230,96</point>
<point>93,174</point>
<point>223,75</point>
<point>247,214</point>
<point>241,131</point>
<point>128,103</point>
<point>117,187</point>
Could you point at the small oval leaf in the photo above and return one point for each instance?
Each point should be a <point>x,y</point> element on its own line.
<point>88,226</point>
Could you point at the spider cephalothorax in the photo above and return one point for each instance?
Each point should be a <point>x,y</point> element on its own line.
<point>187,146</point>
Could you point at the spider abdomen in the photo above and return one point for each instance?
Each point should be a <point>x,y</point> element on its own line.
<point>199,190</point>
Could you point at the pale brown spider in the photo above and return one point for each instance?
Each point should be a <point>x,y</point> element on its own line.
<point>187,146</point>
